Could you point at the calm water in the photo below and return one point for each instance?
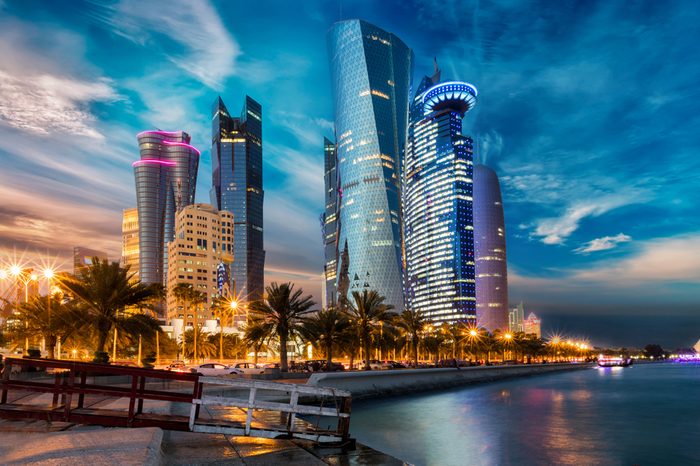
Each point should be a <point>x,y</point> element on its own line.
<point>642,415</point>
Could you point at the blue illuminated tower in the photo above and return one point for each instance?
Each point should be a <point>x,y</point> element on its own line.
<point>371,76</point>
<point>237,186</point>
<point>438,204</point>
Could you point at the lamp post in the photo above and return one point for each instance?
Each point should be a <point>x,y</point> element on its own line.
<point>48,275</point>
<point>24,277</point>
<point>508,337</point>
<point>233,305</point>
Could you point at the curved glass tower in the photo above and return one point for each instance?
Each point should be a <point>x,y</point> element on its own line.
<point>490,245</point>
<point>166,177</point>
<point>371,76</point>
<point>438,226</point>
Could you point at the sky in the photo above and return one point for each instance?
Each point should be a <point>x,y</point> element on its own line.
<point>587,111</point>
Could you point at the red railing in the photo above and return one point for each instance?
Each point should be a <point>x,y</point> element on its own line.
<point>71,382</point>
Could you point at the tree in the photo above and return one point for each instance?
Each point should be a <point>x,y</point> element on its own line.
<point>282,310</point>
<point>654,351</point>
<point>257,334</point>
<point>412,323</point>
<point>188,296</point>
<point>366,311</point>
<point>325,329</point>
<point>105,289</point>
<point>60,322</point>
<point>204,347</point>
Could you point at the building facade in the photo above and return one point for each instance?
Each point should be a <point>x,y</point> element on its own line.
<point>490,247</point>
<point>166,177</point>
<point>83,257</point>
<point>438,204</point>
<point>203,245</point>
<point>329,224</point>
<point>371,73</point>
<point>237,187</point>
<point>516,316</point>
<point>533,325</point>
<point>130,241</point>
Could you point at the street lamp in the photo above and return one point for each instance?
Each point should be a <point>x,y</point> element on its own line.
<point>507,337</point>
<point>233,305</point>
<point>48,275</point>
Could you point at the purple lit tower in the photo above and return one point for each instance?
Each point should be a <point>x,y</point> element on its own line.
<point>490,251</point>
<point>166,177</point>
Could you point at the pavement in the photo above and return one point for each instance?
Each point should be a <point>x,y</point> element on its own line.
<point>96,447</point>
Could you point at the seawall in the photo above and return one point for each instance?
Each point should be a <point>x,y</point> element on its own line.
<point>373,384</point>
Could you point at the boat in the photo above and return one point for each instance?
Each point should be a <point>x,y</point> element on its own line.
<point>614,361</point>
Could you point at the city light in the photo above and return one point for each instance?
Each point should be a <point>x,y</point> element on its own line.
<point>234,304</point>
<point>49,273</point>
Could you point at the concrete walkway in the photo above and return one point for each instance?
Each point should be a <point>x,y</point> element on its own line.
<point>98,447</point>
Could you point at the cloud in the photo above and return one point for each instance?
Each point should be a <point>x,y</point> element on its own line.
<point>602,244</point>
<point>209,51</point>
<point>555,230</point>
<point>49,104</point>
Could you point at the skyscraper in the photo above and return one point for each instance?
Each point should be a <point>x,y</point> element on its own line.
<point>166,177</point>
<point>438,206</point>
<point>130,241</point>
<point>329,223</point>
<point>490,247</point>
<point>237,187</point>
<point>371,76</point>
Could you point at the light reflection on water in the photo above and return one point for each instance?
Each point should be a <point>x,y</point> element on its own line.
<point>645,414</point>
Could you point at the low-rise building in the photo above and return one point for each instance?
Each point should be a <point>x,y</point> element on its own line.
<point>532,325</point>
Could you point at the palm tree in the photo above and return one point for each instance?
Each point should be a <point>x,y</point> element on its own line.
<point>188,296</point>
<point>366,311</point>
<point>412,323</point>
<point>454,332</point>
<point>325,329</point>
<point>60,322</point>
<point>105,289</point>
<point>197,341</point>
<point>282,310</point>
<point>257,334</point>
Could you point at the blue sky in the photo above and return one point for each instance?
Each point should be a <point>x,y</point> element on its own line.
<point>587,110</point>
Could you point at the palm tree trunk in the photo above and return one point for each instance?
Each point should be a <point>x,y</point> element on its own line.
<point>283,352</point>
<point>102,334</point>
<point>415,353</point>
<point>329,356</point>
<point>51,343</point>
<point>365,349</point>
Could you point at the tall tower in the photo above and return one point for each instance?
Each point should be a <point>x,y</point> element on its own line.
<point>237,187</point>
<point>166,177</point>
<point>490,247</point>
<point>438,210</point>
<point>371,76</point>
<point>329,223</point>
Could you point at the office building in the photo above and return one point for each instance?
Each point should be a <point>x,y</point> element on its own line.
<point>490,248</point>
<point>438,205</point>
<point>200,255</point>
<point>166,177</point>
<point>533,325</point>
<point>516,316</point>
<point>329,224</point>
<point>370,78</point>
<point>237,187</point>
<point>83,257</point>
<point>130,241</point>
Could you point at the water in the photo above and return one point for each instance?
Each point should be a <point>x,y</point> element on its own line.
<point>642,415</point>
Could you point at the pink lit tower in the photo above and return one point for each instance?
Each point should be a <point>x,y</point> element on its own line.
<point>166,177</point>
<point>490,251</point>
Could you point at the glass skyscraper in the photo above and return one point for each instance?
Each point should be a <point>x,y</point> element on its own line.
<point>438,205</point>
<point>166,177</point>
<point>329,223</point>
<point>371,73</point>
<point>237,186</point>
<point>490,247</point>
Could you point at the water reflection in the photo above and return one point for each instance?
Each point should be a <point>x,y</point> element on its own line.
<point>634,415</point>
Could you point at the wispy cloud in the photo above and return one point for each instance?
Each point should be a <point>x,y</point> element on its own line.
<point>556,230</point>
<point>603,244</point>
<point>209,51</point>
<point>48,104</point>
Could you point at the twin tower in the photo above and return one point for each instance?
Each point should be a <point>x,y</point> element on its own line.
<point>407,214</point>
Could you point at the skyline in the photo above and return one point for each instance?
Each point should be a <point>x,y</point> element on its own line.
<point>589,128</point>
